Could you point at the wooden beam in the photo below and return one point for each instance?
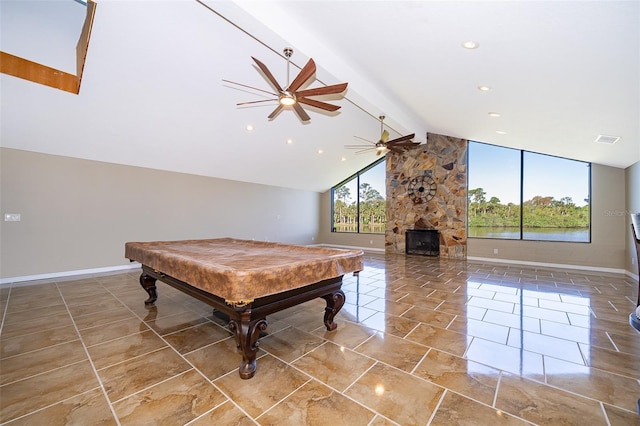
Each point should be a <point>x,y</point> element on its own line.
<point>38,73</point>
<point>83,42</point>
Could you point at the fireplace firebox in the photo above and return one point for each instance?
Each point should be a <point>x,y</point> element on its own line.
<point>422,241</point>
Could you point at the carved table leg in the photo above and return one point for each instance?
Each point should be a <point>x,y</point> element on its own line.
<point>149,285</point>
<point>247,333</point>
<point>335,301</point>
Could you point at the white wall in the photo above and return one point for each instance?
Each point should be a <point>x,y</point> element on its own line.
<point>77,214</point>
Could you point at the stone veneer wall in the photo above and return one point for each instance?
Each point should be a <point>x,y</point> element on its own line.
<point>445,159</point>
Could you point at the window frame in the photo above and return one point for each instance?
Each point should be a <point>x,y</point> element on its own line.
<point>355,176</point>
<point>522,195</point>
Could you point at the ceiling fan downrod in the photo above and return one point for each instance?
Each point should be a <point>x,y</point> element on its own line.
<point>287,53</point>
<point>287,98</point>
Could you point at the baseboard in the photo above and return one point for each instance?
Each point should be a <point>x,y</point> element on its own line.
<point>549,265</point>
<point>632,275</point>
<point>8,281</point>
<point>509,261</point>
<point>135,265</point>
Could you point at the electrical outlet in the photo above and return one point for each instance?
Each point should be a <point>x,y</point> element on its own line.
<point>495,251</point>
<point>12,217</point>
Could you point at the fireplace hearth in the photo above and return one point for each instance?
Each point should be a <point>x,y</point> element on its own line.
<point>425,242</point>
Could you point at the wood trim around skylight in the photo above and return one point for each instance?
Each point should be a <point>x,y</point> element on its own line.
<point>42,74</point>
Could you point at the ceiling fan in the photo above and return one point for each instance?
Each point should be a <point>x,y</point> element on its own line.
<point>291,96</point>
<point>384,144</point>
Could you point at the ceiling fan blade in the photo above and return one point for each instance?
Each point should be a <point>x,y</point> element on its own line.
<point>366,140</point>
<point>275,112</point>
<point>318,104</point>
<point>256,102</point>
<point>268,74</point>
<point>301,112</point>
<point>363,151</point>
<point>249,87</point>
<point>326,90</point>
<point>305,74</point>
<point>358,147</point>
<point>384,137</point>
<point>402,138</point>
<point>405,144</point>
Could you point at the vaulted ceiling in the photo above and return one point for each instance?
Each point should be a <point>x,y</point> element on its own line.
<point>152,92</point>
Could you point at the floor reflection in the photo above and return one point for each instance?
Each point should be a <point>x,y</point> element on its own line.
<point>420,340</point>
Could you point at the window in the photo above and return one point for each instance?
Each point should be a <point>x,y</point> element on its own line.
<point>358,203</point>
<point>515,194</point>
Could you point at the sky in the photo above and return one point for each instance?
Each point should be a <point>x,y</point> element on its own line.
<point>375,177</point>
<point>497,171</point>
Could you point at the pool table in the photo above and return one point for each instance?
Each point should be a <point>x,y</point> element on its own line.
<point>247,280</point>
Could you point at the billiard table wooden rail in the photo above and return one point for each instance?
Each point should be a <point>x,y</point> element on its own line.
<point>247,320</point>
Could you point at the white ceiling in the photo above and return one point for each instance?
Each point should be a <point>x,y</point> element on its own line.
<point>152,93</point>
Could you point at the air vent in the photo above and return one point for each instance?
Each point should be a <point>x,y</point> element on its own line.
<point>607,139</point>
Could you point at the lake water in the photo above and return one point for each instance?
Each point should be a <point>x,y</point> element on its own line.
<point>377,228</point>
<point>579,235</point>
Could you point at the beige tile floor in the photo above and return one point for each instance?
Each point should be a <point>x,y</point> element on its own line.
<point>419,341</point>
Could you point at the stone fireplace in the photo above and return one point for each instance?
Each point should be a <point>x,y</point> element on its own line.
<point>427,189</point>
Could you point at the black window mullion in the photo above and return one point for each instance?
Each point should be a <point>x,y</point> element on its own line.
<point>358,204</point>
<point>521,194</point>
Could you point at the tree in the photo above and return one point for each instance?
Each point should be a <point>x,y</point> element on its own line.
<point>342,194</point>
<point>477,198</point>
<point>368,193</point>
<point>477,195</point>
<point>494,204</point>
<point>538,212</point>
<point>372,207</point>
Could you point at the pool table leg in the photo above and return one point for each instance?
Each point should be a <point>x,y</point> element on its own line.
<point>149,284</point>
<point>335,301</point>
<point>247,333</point>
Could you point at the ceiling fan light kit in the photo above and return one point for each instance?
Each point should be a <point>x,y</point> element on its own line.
<point>287,99</point>
<point>291,96</point>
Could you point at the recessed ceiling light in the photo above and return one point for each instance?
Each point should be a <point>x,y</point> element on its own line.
<point>249,127</point>
<point>494,114</point>
<point>501,132</point>
<point>470,45</point>
<point>610,140</point>
<point>484,88</point>
<point>289,141</point>
<point>320,151</point>
<point>343,159</point>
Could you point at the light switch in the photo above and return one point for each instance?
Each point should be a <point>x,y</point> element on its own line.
<point>12,217</point>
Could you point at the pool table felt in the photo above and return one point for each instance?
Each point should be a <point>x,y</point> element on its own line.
<point>241,271</point>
